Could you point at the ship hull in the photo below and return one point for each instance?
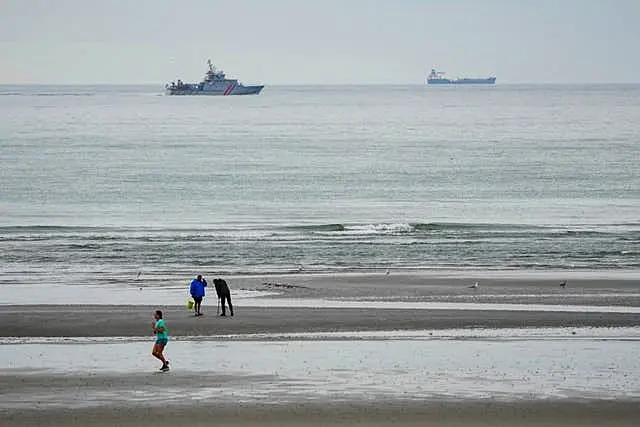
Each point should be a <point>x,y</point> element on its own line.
<point>226,91</point>
<point>487,81</point>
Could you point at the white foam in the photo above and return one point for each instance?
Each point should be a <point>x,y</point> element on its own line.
<point>372,229</point>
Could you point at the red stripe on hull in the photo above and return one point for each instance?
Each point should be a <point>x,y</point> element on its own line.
<point>229,89</point>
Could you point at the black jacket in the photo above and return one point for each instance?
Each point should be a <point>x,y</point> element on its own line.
<point>222,289</point>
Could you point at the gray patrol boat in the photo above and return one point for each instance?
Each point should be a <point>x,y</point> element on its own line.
<point>214,83</point>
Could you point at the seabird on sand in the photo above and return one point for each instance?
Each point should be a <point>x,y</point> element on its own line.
<point>563,284</point>
<point>474,286</point>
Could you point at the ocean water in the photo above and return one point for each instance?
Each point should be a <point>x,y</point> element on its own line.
<point>97,183</point>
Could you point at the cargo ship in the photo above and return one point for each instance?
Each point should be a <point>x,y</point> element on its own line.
<point>438,78</point>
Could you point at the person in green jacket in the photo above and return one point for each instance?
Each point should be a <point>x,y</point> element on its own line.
<point>162,338</point>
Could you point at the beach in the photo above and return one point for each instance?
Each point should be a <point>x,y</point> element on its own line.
<point>297,352</point>
<point>463,377</point>
<point>382,414</point>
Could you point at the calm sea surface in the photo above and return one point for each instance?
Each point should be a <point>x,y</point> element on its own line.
<point>101,182</point>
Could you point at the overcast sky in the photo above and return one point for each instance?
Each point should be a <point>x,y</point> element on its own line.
<point>318,41</point>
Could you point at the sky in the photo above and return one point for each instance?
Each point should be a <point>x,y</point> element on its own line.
<point>280,42</point>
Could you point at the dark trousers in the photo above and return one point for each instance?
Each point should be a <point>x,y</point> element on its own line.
<point>226,297</point>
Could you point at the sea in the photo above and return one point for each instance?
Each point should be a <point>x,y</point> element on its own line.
<point>101,183</point>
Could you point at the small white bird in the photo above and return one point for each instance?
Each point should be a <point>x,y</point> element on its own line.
<point>563,284</point>
<point>387,272</point>
<point>138,275</point>
<point>300,268</point>
<point>474,286</point>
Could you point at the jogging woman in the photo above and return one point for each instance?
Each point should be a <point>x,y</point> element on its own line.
<point>162,337</point>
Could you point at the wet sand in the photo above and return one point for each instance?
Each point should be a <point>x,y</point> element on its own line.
<point>130,320</point>
<point>335,413</point>
<point>333,409</point>
<point>515,287</point>
<point>101,321</point>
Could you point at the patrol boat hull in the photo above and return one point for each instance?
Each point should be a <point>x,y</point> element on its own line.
<point>235,90</point>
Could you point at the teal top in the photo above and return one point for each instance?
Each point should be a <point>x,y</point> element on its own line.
<point>163,334</point>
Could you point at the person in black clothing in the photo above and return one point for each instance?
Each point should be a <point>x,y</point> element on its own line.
<point>222,289</point>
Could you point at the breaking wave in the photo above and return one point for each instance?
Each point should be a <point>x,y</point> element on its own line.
<point>444,228</point>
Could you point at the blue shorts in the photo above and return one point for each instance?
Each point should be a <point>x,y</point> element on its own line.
<point>162,341</point>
